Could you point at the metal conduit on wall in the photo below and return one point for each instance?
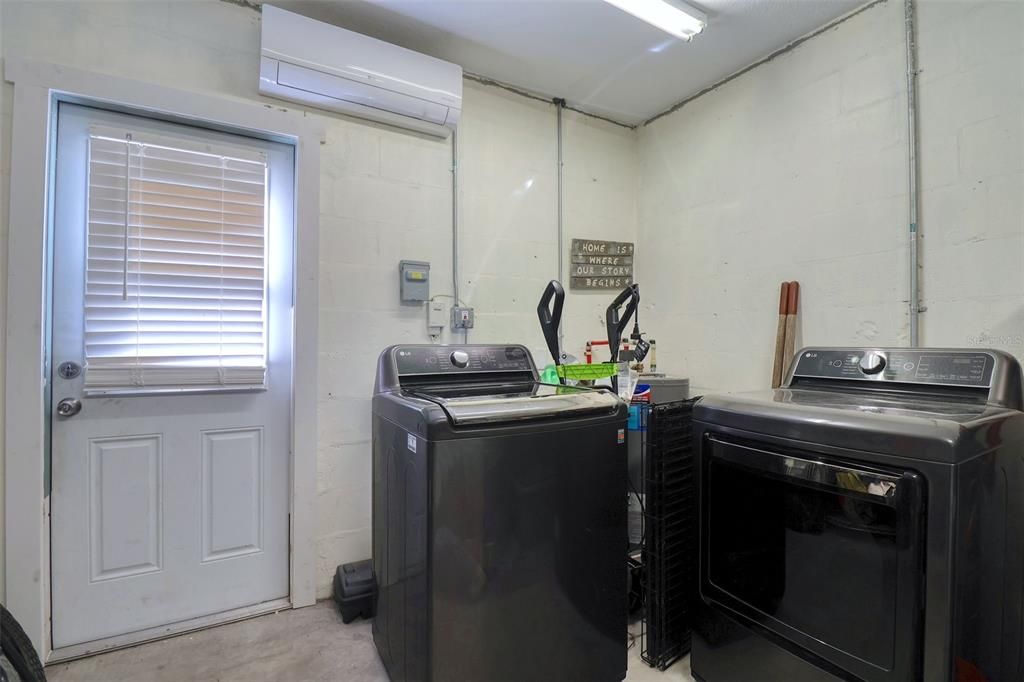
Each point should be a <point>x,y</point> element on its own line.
<point>456,301</point>
<point>560,107</point>
<point>914,296</point>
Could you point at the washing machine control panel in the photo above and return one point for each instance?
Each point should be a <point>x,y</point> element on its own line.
<point>872,362</point>
<point>461,359</point>
<point>943,367</point>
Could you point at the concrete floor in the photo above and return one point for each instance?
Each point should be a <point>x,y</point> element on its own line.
<point>297,645</point>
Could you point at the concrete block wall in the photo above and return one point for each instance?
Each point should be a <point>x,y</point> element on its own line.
<point>600,203</point>
<point>385,196</point>
<point>509,214</point>
<point>5,188</point>
<point>798,170</point>
<point>972,173</point>
<point>509,251</point>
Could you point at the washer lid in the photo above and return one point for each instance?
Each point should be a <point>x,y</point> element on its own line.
<point>497,403</point>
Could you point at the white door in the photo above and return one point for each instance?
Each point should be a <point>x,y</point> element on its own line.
<point>171,383</point>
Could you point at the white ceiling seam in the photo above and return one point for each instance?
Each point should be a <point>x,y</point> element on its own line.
<point>610,64</point>
<point>764,60</point>
<point>614,68</point>
<point>484,80</point>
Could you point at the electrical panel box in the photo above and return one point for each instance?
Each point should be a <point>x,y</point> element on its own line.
<point>462,318</point>
<point>414,286</point>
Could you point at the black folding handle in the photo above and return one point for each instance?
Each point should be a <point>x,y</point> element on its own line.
<point>615,324</point>
<point>551,316</point>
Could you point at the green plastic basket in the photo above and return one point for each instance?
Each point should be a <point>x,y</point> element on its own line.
<point>599,370</point>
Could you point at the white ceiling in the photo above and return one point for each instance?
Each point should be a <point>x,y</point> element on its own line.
<point>597,57</point>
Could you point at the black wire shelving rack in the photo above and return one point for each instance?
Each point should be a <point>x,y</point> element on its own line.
<point>670,549</point>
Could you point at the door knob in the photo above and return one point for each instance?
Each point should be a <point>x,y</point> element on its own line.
<point>69,407</point>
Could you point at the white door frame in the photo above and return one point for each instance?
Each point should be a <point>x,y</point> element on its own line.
<point>38,87</point>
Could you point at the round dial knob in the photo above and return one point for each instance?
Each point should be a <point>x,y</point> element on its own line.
<point>872,363</point>
<point>460,358</point>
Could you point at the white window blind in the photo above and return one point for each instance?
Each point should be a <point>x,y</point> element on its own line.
<point>175,290</point>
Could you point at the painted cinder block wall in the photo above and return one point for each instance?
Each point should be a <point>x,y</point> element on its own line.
<point>509,243</point>
<point>795,170</point>
<point>798,168</point>
<point>5,189</point>
<point>385,195</point>
<point>972,155</point>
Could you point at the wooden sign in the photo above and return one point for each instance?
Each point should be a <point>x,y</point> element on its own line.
<point>598,264</point>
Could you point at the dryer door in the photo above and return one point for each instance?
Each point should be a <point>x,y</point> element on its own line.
<point>824,555</point>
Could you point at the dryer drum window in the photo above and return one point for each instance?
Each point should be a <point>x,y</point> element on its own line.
<point>813,549</point>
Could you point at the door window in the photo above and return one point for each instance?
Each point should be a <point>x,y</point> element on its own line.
<point>175,263</point>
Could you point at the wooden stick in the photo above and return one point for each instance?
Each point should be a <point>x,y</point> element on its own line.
<point>780,335</point>
<point>791,312</point>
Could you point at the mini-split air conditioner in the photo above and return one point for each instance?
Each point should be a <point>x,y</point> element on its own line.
<point>324,66</point>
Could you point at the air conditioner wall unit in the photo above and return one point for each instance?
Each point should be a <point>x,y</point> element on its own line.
<point>324,66</point>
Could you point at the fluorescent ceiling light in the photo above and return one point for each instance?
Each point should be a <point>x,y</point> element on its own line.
<point>671,16</point>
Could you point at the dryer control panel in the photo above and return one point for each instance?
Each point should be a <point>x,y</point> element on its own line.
<point>977,374</point>
<point>954,367</point>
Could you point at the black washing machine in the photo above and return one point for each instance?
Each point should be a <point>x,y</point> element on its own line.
<point>499,520</point>
<point>864,522</point>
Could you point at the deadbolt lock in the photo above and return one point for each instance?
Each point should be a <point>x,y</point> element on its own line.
<point>68,370</point>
